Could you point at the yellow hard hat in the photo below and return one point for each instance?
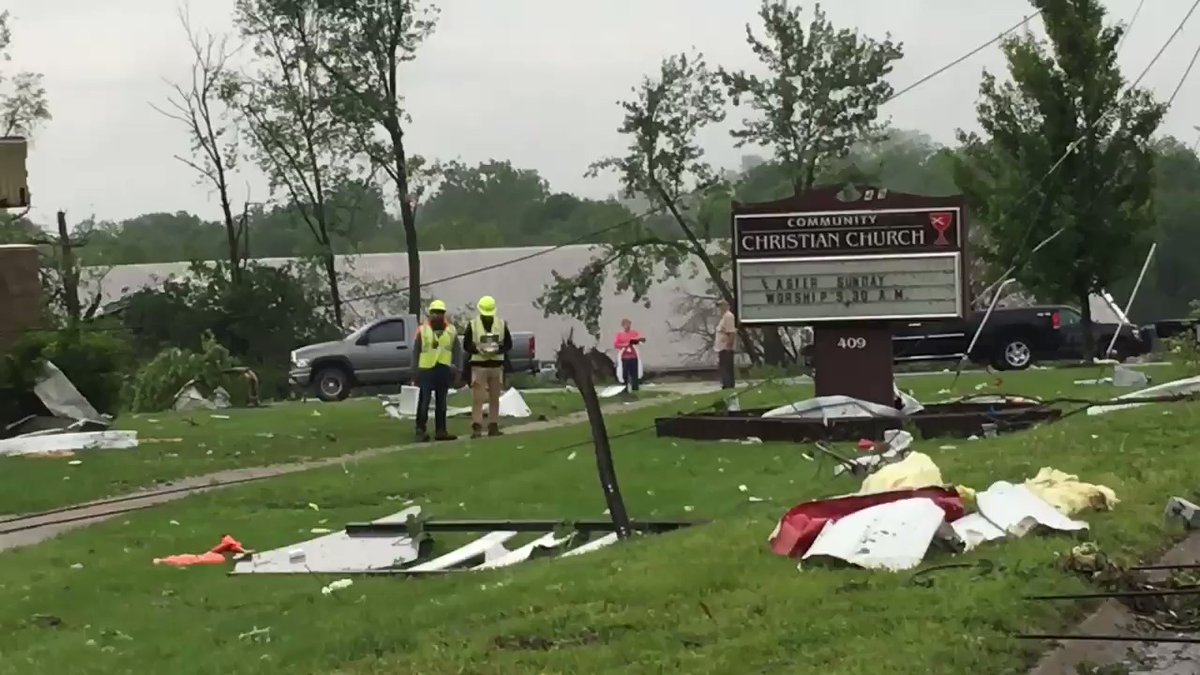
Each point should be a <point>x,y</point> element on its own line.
<point>437,306</point>
<point>487,306</point>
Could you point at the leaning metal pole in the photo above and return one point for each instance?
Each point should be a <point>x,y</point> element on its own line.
<point>975,338</point>
<point>1008,272</point>
<point>1132,295</point>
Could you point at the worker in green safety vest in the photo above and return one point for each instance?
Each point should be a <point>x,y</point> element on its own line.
<point>436,358</point>
<point>488,342</point>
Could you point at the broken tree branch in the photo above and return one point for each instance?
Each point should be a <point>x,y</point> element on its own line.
<point>574,363</point>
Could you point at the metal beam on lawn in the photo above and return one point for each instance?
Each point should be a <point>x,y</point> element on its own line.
<point>591,525</point>
<point>935,421</point>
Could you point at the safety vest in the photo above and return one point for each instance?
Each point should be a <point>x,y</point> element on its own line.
<point>484,338</point>
<point>436,350</point>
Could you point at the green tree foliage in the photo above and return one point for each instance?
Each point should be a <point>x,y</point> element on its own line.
<point>154,387</point>
<point>497,204</point>
<point>260,320</point>
<point>95,359</point>
<point>1173,282</point>
<point>1066,104</point>
<point>23,102</point>
<point>820,96</point>
<point>361,45</point>
<point>300,135</point>
<point>664,164</point>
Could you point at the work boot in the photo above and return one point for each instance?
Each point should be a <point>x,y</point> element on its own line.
<point>444,435</point>
<point>494,430</point>
<point>476,431</point>
<point>422,436</point>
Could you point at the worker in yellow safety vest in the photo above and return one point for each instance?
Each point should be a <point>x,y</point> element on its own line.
<point>436,356</point>
<point>488,342</point>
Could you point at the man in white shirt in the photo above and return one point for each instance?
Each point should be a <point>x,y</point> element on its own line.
<point>724,343</point>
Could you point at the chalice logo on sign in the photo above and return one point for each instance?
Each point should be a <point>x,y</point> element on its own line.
<point>941,222</point>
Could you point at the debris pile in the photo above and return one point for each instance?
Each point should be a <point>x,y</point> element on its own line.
<point>63,422</point>
<point>904,508</point>
<point>402,544</point>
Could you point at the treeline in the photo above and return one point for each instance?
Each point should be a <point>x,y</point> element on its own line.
<point>495,204</point>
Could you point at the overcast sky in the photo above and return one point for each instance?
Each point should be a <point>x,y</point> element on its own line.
<point>531,81</point>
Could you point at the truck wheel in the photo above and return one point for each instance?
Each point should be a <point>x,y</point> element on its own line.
<point>1014,354</point>
<point>332,384</point>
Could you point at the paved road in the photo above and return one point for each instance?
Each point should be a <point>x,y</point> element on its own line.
<point>49,525</point>
<point>1114,619</point>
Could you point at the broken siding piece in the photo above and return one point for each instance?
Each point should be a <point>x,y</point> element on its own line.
<point>490,546</point>
<point>594,545</point>
<point>548,540</point>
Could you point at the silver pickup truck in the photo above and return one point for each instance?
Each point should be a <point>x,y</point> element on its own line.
<point>379,353</point>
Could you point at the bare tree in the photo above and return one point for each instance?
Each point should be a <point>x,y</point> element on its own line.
<point>200,105</point>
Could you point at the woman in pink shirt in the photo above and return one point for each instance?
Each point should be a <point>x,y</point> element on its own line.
<point>626,343</point>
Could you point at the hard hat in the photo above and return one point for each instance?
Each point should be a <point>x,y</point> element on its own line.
<point>487,306</point>
<point>437,306</point>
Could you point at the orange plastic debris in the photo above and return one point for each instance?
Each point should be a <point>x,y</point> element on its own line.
<point>217,555</point>
<point>189,559</point>
<point>228,545</point>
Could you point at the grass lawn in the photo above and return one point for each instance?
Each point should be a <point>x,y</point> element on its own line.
<point>286,432</point>
<point>1044,384</point>
<point>711,599</point>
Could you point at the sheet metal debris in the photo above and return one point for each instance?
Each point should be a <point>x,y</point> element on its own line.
<point>338,552</point>
<point>62,399</point>
<point>1006,509</point>
<point>390,545</point>
<point>1184,387</point>
<point>892,536</point>
<point>1182,512</point>
<point>404,406</point>
<point>50,442</point>
<point>827,408</point>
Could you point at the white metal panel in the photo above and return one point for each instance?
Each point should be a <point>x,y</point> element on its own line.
<point>337,552</point>
<point>490,546</point>
<point>594,545</point>
<point>548,540</point>
<point>892,536</point>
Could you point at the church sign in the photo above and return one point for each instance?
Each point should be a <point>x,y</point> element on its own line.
<point>829,257</point>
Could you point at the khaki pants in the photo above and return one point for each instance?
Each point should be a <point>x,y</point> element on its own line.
<point>485,388</point>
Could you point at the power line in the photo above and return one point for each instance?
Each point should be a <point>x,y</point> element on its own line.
<point>962,58</point>
<point>1129,28</point>
<point>1187,72</point>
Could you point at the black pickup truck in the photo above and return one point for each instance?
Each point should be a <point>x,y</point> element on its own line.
<point>1014,338</point>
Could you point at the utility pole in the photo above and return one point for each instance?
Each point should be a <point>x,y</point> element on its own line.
<point>1196,145</point>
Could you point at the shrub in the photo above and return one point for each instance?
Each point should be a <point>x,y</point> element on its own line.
<point>96,361</point>
<point>156,384</point>
<point>260,320</point>
<point>94,357</point>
